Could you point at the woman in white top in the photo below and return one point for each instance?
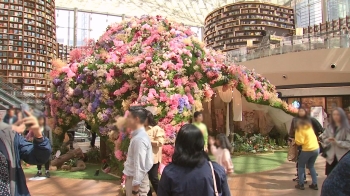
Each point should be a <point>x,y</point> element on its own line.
<point>336,139</point>
<point>221,150</point>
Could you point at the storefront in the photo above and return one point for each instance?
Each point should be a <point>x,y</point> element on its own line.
<point>326,102</point>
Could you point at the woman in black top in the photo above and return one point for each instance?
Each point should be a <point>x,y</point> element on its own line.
<point>190,172</point>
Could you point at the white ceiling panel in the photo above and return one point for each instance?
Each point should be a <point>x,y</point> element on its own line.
<point>176,10</point>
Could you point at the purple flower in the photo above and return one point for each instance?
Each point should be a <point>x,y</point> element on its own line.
<point>80,78</point>
<point>57,82</point>
<point>108,111</point>
<point>86,93</point>
<point>77,92</point>
<point>181,105</point>
<point>95,103</point>
<point>110,102</point>
<point>68,109</point>
<point>76,105</point>
<point>105,117</point>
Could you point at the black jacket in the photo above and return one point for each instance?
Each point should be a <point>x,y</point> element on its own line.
<point>316,126</point>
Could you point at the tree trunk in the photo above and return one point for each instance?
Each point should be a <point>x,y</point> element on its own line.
<point>76,153</point>
<point>103,148</point>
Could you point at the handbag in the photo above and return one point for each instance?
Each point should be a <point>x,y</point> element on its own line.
<point>216,193</point>
<point>292,151</point>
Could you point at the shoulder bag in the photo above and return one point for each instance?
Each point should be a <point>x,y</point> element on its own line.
<point>216,193</point>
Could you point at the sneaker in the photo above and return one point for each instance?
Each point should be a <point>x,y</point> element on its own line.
<point>38,174</point>
<point>313,186</point>
<point>299,186</point>
<point>47,174</point>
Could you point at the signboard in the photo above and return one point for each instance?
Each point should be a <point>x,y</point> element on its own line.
<point>2,114</point>
<point>317,113</point>
<point>275,38</point>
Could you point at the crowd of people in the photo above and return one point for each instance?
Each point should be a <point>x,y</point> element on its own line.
<point>191,166</point>
<point>333,143</point>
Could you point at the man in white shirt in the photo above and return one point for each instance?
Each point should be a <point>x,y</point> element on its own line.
<point>140,156</point>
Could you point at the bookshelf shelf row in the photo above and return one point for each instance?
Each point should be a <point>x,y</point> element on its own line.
<point>231,26</point>
<point>27,43</point>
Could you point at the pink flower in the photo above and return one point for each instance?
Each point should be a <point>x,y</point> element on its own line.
<point>119,155</point>
<point>166,83</point>
<point>198,75</point>
<point>163,97</point>
<point>142,66</point>
<point>74,67</point>
<point>82,116</point>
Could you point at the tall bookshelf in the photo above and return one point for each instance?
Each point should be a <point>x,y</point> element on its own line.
<point>244,24</point>
<point>27,43</point>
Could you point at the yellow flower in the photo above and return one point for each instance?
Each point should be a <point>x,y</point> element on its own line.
<point>187,41</point>
<point>198,105</point>
<point>126,104</point>
<point>186,114</point>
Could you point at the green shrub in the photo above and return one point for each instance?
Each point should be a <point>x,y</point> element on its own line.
<point>94,155</point>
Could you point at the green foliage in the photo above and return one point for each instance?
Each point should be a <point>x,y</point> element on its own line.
<point>94,155</point>
<point>254,143</point>
<point>72,162</point>
<point>279,136</point>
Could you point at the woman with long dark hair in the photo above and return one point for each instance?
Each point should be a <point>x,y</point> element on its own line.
<point>336,139</point>
<point>221,149</point>
<point>191,172</point>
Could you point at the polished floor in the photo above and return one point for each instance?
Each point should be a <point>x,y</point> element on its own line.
<point>271,183</point>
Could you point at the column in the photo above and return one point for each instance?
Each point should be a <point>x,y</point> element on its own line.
<point>75,27</point>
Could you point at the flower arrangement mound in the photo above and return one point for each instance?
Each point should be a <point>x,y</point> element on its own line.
<point>152,62</point>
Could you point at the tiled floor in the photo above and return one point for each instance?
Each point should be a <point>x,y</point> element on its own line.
<point>272,183</point>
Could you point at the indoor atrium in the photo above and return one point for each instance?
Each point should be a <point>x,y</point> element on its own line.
<point>174,98</point>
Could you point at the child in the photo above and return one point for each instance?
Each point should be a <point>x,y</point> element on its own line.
<point>222,152</point>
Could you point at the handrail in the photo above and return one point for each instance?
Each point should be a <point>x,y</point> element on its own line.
<point>19,95</point>
<point>296,43</point>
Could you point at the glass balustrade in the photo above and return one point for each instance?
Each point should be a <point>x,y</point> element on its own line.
<point>291,44</point>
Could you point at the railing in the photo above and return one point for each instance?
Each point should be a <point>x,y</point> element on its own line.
<point>19,96</point>
<point>291,44</point>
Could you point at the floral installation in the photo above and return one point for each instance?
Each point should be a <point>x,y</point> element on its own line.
<point>153,62</point>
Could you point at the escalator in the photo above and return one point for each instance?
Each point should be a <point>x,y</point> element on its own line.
<point>11,95</point>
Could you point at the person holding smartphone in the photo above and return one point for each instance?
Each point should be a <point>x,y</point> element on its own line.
<point>14,148</point>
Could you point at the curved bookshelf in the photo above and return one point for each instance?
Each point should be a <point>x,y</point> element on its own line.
<point>27,43</point>
<point>244,24</point>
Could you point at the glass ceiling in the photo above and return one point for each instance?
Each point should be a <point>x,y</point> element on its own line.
<point>189,12</point>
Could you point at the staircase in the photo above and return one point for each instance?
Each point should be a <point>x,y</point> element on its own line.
<point>11,95</point>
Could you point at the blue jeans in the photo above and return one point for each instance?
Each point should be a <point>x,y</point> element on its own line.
<point>307,158</point>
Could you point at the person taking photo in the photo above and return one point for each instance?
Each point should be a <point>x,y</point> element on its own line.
<point>14,148</point>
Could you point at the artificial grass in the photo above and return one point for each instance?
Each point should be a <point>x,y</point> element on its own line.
<point>88,173</point>
<point>253,163</point>
<point>259,162</point>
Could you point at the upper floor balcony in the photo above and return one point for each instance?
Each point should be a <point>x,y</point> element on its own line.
<point>291,44</point>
